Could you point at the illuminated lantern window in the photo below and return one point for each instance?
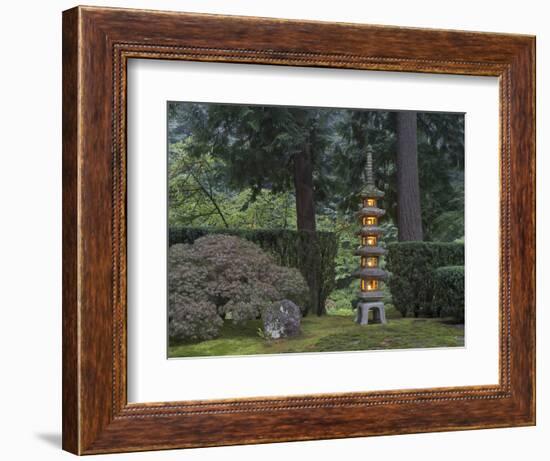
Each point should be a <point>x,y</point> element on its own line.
<point>371,202</point>
<point>369,221</point>
<point>371,241</point>
<point>372,261</point>
<point>364,261</point>
<point>369,285</point>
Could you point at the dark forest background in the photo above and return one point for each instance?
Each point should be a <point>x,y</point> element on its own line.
<point>302,168</point>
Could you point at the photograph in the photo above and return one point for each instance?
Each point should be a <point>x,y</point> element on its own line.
<point>313,229</point>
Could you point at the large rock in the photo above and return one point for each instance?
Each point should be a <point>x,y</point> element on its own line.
<point>282,320</point>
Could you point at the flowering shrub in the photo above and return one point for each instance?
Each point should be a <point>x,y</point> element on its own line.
<point>231,274</point>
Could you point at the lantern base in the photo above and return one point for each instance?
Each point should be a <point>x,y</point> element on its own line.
<point>378,313</point>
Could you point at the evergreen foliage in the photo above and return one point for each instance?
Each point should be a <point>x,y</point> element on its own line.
<point>241,155</point>
<point>412,266</point>
<point>449,292</point>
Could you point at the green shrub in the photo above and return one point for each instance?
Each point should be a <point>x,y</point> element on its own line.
<point>340,301</point>
<point>346,261</point>
<point>411,265</point>
<point>225,276</point>
<point>313,254</point>
<point>448,298</point>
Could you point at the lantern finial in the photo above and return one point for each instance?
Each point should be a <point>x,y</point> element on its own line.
<point>368,170</point>
<point>369,189</point>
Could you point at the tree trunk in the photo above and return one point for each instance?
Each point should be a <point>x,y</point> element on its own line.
<point>305,212</point>
<point>303,185</point>
<point>409,217</point>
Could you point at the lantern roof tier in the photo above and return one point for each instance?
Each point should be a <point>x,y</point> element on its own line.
<point>370,251</point>
<point>374,295</point>
<point>371,273</point>
<point>370,230</point>
<point>371,191</point>
<point>371,211</point>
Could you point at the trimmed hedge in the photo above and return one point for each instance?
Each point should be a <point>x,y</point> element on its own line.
<point>313,254</point>
<point>449,292</point>
<point>412,280</point>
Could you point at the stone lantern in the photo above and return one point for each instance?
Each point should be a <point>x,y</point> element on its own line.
<point>370,274</point>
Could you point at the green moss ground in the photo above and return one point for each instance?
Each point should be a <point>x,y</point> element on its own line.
<point>328,334</point>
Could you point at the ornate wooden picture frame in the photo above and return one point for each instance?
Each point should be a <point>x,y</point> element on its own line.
<point>97,44</point>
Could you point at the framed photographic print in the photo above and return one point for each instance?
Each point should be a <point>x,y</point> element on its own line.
<point>284,230</point>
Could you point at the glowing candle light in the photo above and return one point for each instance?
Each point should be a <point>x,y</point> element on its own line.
<point>372,285</point>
